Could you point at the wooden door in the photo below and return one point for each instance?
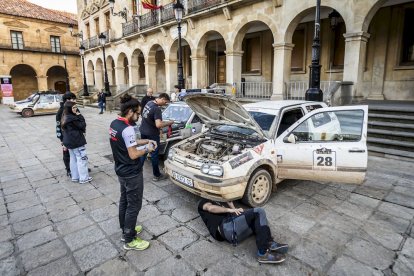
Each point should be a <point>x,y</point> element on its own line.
<point>221,70</point>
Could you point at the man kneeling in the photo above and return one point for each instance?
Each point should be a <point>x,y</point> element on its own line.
<point>235,225</point>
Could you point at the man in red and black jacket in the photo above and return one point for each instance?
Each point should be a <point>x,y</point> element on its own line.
<point>129,170</point>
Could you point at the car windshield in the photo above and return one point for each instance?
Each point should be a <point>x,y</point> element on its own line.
<point>264,120</point>
<point>33,98</point>
<point>177,112</point>
<point>229,129</point>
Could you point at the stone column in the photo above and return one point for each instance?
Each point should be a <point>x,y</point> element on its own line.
<point>170,74</point>
<point>151,73</point>
<point>233,66</point>
<point>281,69</point>
<point>355,53</point>
<point>42,83</point>
<point>199,73</point>
<point>133,74</point>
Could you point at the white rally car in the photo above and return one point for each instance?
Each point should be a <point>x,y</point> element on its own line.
<point>248,149</point>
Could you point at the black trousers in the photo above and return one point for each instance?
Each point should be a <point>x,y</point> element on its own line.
<point>66,159</point>
<point>253,221</point>
<point>130,204</point>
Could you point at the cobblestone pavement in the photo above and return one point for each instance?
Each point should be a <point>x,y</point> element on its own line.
<point>51,226</point>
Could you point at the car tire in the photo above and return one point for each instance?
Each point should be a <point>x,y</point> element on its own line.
<point>259,188</point>
<point>26,113</point>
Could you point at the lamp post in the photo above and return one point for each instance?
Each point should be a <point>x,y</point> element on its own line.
<point>67,73</point>
<point>102,40</point>
<point>85,85</point>
<point>123,13</point>
<point>314,93</point>
<point>178,11</point>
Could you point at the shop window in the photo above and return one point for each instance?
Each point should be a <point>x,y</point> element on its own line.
<point>408,38</point>
<point>337,55</point>
<point>55,44</point>
<point>252,55</point>
<point>298,52</point>
<point>17,40</point>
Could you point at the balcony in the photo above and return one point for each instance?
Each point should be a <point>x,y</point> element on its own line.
<point>93,41</point>
<point>166,14</point>
<point>36,46</point>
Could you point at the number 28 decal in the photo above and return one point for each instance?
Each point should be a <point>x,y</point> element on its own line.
<point>324,159</point>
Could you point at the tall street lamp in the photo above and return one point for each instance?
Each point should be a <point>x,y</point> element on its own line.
<point>67,73</point>
<point>85,85</point>
<point>314,93</point>
<point>178,11</point>
<point>102,40</point>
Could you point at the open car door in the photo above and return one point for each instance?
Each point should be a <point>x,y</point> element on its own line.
<point>328,144</point>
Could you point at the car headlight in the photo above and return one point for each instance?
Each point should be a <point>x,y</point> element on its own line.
<point>171,154</point>
<point>212,169</point>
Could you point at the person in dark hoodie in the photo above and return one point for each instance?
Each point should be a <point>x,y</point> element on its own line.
<point>69,96</point>
<point>74,128</point>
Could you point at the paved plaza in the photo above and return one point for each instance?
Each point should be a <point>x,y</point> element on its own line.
<point>51,226</point>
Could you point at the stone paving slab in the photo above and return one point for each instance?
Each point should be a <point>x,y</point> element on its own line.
<point>51,226</point>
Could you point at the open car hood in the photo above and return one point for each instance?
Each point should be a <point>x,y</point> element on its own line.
<point>216,109</point>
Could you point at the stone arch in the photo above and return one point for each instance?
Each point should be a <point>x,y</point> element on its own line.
<point>243,27</point>
<point>371,13</point>
<point>110,67</point>
<point>56,78</point>
<point>90,68</point>
<point>187,50</point>
<point>24,79</point>
<point>156,68</point>
<point>202,42</point>
<point>122,71</point>
<point>137,67</point>
<point>99,74</point>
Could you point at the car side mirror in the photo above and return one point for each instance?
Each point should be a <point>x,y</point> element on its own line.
<point>290,139</point>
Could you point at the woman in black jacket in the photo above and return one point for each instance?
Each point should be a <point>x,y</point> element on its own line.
<point>74,128</point>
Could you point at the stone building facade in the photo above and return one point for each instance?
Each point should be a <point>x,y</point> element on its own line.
<point>260,47</point>
<point>33,41</point>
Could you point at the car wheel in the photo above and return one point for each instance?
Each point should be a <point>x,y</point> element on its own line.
<point>258,189</point>
<point>27,113</point>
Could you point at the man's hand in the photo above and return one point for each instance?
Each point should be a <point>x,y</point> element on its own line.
<point>236,211</point>
<point>153,144</point>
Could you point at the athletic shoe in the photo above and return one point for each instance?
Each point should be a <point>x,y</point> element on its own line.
<point>138,229</point>
<point>86,181</point>
<point>160,178</point>
<point>278,247</point>
<point>136,244</point>
<point>270,257</point>
<point>75,180</point>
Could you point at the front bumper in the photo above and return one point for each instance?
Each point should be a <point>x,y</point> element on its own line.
<point>209,187</point>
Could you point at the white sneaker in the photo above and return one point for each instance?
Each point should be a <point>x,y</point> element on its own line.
<point>86,181</point>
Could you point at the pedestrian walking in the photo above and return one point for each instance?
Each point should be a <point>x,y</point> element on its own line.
<point>74,128</point>
<point>129,170</point>
<point>147,98</point>
<point>234,225</point>
<point>68,96</point>
<point>151,125</point>
<point>101,101</point>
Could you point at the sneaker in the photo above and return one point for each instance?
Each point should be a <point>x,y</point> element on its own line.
<point>270,258</point>
<point>138,229</point>
<point>160,178</point>
<point>68,174</point>
<point>86,181</point>
<point>278,247</point>
<point>136,244</point>
<point>75,180</point>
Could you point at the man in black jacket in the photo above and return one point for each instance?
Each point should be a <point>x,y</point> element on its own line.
<point>147,98</point>
<point>68,96</point>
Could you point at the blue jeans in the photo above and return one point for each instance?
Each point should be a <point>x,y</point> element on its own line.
<point>130,204</point>
<point>154,155</point>
<point>79,164</point>
<point>101,106</point>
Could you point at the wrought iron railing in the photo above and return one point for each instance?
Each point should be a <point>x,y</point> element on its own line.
<point>198,5</point>
<point>167,13</point>
<point>296,89</point>
<point>149,20</point>
<point>254,90</point>
<point>130,27</point>
<point>93,42</point>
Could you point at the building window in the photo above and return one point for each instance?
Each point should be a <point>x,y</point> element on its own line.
<point>298,52</point>
<point>134,7</point>
<point>55,44</point>
<point>108,21</point>
<point>97,30</point>
<point>408,38</point>
<point>252,55</point>
<point>17,40</point>
<point>141,66</point>
<point>337,54</point>
<point>87,31</point>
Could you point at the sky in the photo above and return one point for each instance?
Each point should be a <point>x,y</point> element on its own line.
<point>61,5</point>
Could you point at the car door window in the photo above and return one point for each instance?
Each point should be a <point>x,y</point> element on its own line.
<point>45,99</point>
<point>289,118</point>
<point>344,125</point>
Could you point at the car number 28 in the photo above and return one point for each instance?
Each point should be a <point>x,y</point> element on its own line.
<point>324,159</point>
